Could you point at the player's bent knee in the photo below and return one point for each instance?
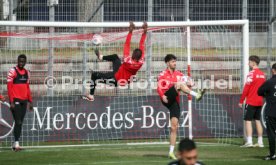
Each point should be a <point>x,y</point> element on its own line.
<point>184,87</point>
<point>173,128</point>
<point>177,86</point>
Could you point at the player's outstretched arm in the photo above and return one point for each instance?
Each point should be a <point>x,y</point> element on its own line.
<point>128,39</point>
<point>131,27</point>
<point>143,38</point>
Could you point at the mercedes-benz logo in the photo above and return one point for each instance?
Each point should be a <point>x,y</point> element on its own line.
<point>4,123</point>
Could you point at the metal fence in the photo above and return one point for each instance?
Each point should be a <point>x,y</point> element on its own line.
<point>259,12</point>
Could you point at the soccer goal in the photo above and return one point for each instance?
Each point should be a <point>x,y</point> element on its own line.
<point>60,57</point>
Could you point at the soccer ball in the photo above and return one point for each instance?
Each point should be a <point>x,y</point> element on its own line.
<point>97,39</point>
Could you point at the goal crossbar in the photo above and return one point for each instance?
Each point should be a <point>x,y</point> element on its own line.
<point>120,24</point>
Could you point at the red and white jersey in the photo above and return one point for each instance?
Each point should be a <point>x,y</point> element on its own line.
<point>130,67</point>
<point>18,84</point>
<point>166,80</point>
<point>254,80</point>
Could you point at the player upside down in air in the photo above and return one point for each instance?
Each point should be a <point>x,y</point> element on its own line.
<point>170,83</point>
<point>121,73</point>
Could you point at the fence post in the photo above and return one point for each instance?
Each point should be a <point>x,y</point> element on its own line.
<point>51,49</point>
<point>269,37</point>
<point>84,65</point>
<point>149,46</point>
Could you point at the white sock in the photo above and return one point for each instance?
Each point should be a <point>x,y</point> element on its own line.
<point>100,57</point>
<point>249,139</point>
<point>260,140</point>
<point>16,144</point>
<point>171,148</point>
<point>193,93</point>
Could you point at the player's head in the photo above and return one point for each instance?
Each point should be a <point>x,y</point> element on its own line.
<point>21,61</point>
<point>254,61</point>
<point>274,69</point>
<point>137,54</point>
<point>187,152</point>
<point>170,60</point>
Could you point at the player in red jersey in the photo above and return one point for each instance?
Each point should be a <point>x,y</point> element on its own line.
<point>170,83</point>
<point>254,103</point>
<point>19,95</point>
<point>121,73</point>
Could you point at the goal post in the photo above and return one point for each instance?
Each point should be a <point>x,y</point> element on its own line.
<point>215,51</point>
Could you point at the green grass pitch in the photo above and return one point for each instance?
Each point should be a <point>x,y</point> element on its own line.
<point>122,154</point>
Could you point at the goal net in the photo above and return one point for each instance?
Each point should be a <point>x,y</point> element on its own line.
<point>60,58</point>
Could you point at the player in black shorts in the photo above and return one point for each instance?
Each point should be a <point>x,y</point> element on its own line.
<point>170,83</point>
<point>172,104</point>
<point>252,112</point>
<point>253,102</point>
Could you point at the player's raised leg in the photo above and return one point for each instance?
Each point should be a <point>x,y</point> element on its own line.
<point>114,58</point>
<point>103,77</point>
<point>98,77</point>
<point>183,87</point>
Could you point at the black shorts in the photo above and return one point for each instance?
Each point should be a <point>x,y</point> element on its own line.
<point>172,104</point>
<point>252,112</point>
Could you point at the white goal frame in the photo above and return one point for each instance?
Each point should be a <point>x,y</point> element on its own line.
<point>243,23</point>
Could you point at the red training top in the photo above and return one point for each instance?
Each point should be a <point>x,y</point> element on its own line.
<point>166,80</point>
<point>130,66</point>
<point>18,84</point>
<point>254,80</point>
